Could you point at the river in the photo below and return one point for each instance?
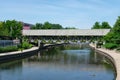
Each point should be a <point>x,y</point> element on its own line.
<point>60,63</point>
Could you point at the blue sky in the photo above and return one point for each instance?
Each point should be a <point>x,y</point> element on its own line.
<point>81,14</point>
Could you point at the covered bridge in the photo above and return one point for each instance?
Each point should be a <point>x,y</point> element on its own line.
<point>65,33</point>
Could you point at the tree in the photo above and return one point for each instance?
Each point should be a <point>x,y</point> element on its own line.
<point>116,31</point>
<point>3,29</point>
<point>56,26</point>
<point>33,27</point>
<point>47,25</point>
<point>17,29</point>
<point>39,26</point>
<point>105,25</point>
<point>114,35</point>
<point>116,27</point>
<point>1,25</point>
<point>11,28</point>
<point>14,28</point>
<point>70,28</point>
<point>109,37</point>
<point>96,25</point>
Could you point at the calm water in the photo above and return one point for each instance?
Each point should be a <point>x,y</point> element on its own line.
<point>55,64</point>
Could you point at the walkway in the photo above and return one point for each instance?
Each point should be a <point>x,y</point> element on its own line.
<point>115,55</point>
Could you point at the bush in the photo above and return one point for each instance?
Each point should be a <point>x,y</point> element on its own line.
<point>110,45</point>
<point>8,49</point>
<point>26,45</point>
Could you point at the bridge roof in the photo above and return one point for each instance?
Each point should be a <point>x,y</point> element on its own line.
<point>66,32</point>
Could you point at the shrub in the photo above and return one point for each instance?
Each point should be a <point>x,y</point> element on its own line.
<point>30,45</point>
<point>8,49</point>
<point>26,45</point>
<point>110,45</point>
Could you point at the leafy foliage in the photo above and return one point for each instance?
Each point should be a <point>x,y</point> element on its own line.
<point>8,49</point>
<point>110,45</point>
<point>70,28</point>
<point>114,35</point>
<point>116,27</point>
<point>104,25</point>
<point>26,45</point>
<point>47,25</point>
<point>96,25</point>
<point>11,28</point>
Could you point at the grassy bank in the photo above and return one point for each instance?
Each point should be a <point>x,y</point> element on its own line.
<point>24,45</point>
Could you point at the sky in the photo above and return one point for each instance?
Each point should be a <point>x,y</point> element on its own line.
<point>81,14</point>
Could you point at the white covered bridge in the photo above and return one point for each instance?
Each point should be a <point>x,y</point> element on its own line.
<point>61,34</point>
<point>66,32</point>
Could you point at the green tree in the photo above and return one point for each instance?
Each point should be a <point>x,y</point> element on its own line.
<point>11,28</point>
<point>1,25</point>
<point>3,29</point>
<point>39,26</point>
<point>116,31</point>
<point>14,28</point>
<point>114,35</point>
<point>116,27</point>
<point>70,28</point>
<point>47,25</point>
<point>96,25</point>
<point>56,26</point>
<point>109,37</point>
<point>33,27</point>
<point>17,29</point>
<point>105,25</point>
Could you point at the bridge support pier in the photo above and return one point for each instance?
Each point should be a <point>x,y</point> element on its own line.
<point>39,41</point>
<point>41,45</point>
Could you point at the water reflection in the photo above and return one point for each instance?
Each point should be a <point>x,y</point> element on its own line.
<point>10,70</point>
<point>60,63</point>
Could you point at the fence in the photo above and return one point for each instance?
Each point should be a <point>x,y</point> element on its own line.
<point>4,43</point>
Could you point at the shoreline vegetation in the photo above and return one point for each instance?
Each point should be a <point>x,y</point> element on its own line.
<point>20,47</point>
<point>112,39</point>
<point>12,29</point>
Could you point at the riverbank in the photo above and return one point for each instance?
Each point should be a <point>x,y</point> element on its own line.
<point>25,53</point>
<point>17,54</point>
<point>113,55</point>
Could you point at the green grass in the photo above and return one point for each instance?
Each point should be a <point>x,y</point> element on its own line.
<point>8,49</point>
